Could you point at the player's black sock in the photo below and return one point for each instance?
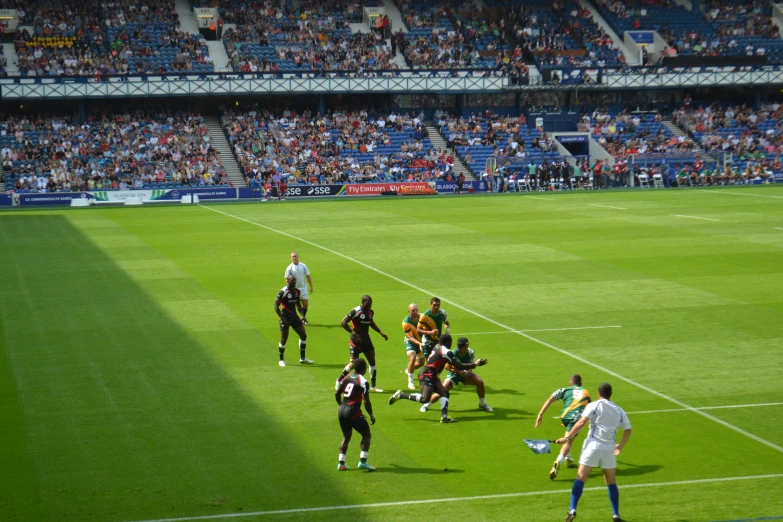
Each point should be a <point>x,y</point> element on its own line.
<point>281,349</point>
<point>372,375</point>
<point>302,348</point>
<point>304,313</point>
<point>415,397</point>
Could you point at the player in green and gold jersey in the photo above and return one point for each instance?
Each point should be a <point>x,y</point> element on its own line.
<point>574,398</point>
<point>431,326</point>
<point>412,343</point>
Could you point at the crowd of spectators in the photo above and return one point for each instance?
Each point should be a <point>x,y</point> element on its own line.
<point>338,147</point>
<point>97,37</point>
<point>740,130</point>
<point>110,151</point>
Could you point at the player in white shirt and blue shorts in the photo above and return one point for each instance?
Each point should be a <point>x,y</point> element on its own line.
<point>600,448</point>
<point>302,275</point>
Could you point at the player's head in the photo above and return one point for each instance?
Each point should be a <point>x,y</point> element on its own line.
<point>295,258</point>
<point>605,390</point>
<point>435,304</point>
<point>462,343</point>
<point>360,366</point>
<point>366,302</point>
<point>575,380</point>
<point>291,280</point>
<point>413,310</point>
<point>445,340</point>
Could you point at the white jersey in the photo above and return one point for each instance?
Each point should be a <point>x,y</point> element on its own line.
<point>300,272</point>
<point>606,418</point>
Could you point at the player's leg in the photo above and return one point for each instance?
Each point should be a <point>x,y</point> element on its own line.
<point>345,426</point>
<point>590,458</point>
<point>363,428</point>
<point>610,477</point>
<point>283,339</point>
<point>300,330</point>
<point>425,382</point>
<point>474,380</point>
<point>304,300</point>
<point>448,384</point>
<point>370,354</point>
<point>441,390</point>
<point>348,367</point>
<point>412,351</point>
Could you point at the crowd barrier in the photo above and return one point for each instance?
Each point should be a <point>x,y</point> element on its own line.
<point>100,197</point>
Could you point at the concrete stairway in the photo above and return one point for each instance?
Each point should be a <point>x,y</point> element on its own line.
<point>439,142</point>
<point>679,132</point>
<point>11,65</point>
<point>223,148</point>
<point>631,57</point>
<point>187,20</point>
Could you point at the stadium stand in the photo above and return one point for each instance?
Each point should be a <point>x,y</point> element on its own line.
<point>340,147</point>
<point>110,151</point>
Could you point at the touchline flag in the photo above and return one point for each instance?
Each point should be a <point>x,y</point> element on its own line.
<point>539,446</point>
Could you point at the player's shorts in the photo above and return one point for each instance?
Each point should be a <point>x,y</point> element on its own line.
<point>410,347</point>
<point>569,423</point>
<point>352,418</point>
<point>596,453</point>
<point>427,348</point>
<point>356,352</point>
<point>455,378</point>
<point>427,379</point>
<point>303,292</point>
<point>293,321</point>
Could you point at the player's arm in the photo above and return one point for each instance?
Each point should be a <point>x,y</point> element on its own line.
<point>278,311</point>
<point>623,442</point>
<point>345,321</point>
<point>299,305</point>
<point>367,403</point>
<point>310,282</point>
<point>427,329</point>
<point>375,327</point>
<point>459,365</point>
<point>546,405</point>
<point>410,334</point>
<point>338,394</point>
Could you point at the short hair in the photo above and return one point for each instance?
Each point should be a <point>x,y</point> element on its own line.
<point>445,340</point>
<point>360,365</point>
<point>366,298</point>
<point>576,379</point>
<point>462,341</point>
<point>435,300</point>
<point>605,390</point>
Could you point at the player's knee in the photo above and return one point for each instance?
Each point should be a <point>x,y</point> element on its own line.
<point>303,335</point>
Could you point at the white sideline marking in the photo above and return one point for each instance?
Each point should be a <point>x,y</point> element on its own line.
<point>740,194</point>
<point>523,334</point>
<point>606,206</point>
<point>731,406</point>
<point>458,499</point>
<point>543,330</point>
<point>695,217</point>
<point>539,197</point>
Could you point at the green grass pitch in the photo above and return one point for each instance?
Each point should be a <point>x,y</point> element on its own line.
<point>139,377</point>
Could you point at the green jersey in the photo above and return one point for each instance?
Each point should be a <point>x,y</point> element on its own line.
<point>574,398</point>
<point>430,321</point>
<point>531,170</point>
<point>466,358</point>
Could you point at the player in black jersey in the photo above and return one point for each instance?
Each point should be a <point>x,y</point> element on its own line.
<point>429,377</point>
<point>354,389</point>
<point>362,318</point>
<point>288,298</point>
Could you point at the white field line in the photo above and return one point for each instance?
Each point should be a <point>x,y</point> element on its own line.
<point>778,228</point>
<point>539,197</point>
<point>606,206</point>
<point>741,194</point>
<point>695,217</point>
<point>505,327</point>
<point>458,499</point>
<point>731,406</point>
<point>543,330</point>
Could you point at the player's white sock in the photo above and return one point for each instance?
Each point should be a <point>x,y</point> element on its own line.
<point>444,405</point>
<point>482,401</point>
<point>341,457</point>
<point>426,405</point>
<point>363,454</point>
<point>560,458</point>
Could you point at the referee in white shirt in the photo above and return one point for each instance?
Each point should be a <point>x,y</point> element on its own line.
<point>599,449</point>
<point>301,273</point>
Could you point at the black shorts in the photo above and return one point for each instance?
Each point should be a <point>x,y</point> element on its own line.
<point>352,418</point>
<point>355,352</point>
<point>428,379</point>
<point>293,321</point>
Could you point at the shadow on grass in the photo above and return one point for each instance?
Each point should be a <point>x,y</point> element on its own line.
<point>503,391</point>
<point>629,470</point>
<point>402,470</point>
